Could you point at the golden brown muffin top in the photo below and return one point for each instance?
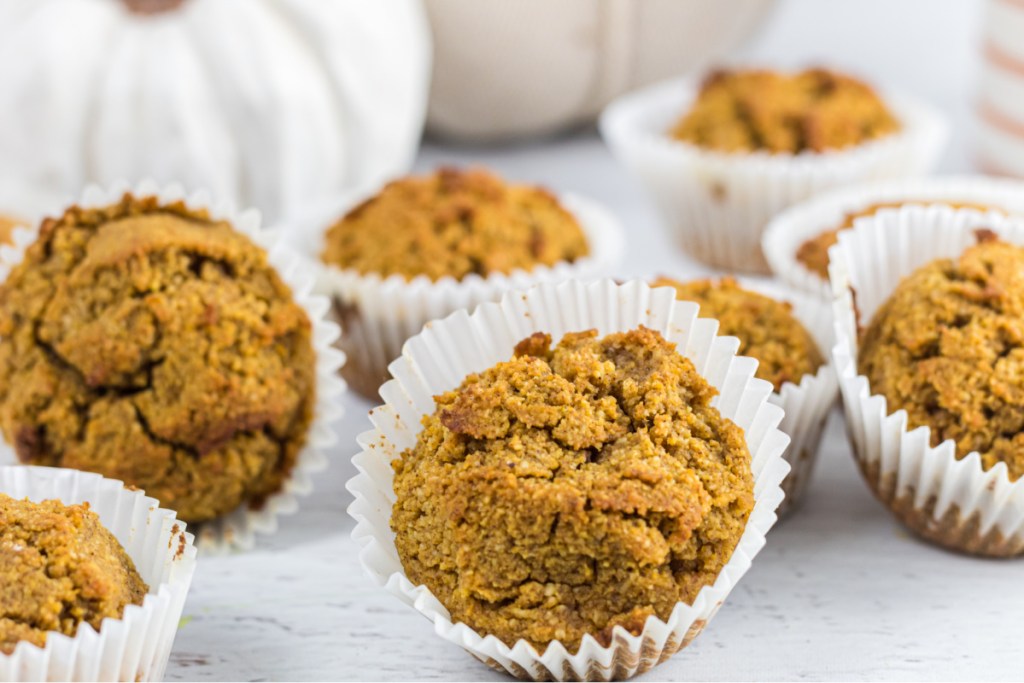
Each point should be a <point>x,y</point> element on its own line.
<point>948,347</point>
<point>570,490</point>
<point>754,110</point>
<point>767,329</point>
<point>813,253</point>
<point>455,223</point>
<point>154,345</point>
<point>59,567</point>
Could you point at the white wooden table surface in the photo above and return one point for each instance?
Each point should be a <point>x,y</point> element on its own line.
<point>839,592</point>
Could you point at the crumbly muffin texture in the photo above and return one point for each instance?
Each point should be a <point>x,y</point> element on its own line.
<point>454,223</point>
<point>151,344</point>
<point>948,347</point>
<point>59,567</point>
<point>570,490</point>
<point>813,253</point>
<point>813,110</point>
<point>767,329</point>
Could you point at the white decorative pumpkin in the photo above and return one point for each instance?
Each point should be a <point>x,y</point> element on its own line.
<point>274,103</point>
<point>511,68</point>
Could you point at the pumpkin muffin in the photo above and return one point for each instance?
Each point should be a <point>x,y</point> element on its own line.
<point>948,348</point>
<point>152,344</point>
<point>573,489</point>
<point>759,110</point>
<point>813,253</point>
<point>767,329</point>
<point>454,223</point>
<point>59,567</point>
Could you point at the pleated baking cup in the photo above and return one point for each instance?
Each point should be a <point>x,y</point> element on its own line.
<point>446,351</point>
<point>797,224</point>
<point>947,500</point>
<point>717,204</point>
<point>238,529</point>
<point>136,646</point>
<point>806,404</point>
<point>378,315</point>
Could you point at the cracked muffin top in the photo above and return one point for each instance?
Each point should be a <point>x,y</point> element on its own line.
<point>154,345</point>
<point>454,223</point>
<point>570,490</point>
<point>758,110</point>
<point>813,253</point>
<point>948,347</point>
<point>59,567</point>
<point>766,328</point>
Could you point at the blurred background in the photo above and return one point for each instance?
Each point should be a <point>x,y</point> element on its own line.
<point>282,104</point>
<point>294,106</point>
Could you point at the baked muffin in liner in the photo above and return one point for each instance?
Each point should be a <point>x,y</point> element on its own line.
<point>237,530</point>
<point>378,315</point>
<point>952,502</point>
<point>715,204</point>
<point>447,350</point>
<point>806,404</point>
<point>797,224</point>
<point>136,646</point>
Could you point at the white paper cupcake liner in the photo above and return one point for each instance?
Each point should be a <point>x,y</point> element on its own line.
<point>238,529</point>
<point>378,315</point>
<point>135,647</point>
<point>949,501</point>
<point>807,404</point>
<point>794,226</point>
<point>717,204</point>
<point>440,357</point>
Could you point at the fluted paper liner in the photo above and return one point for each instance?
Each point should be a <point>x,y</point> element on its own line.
<point>806,404</point>
<point>718,204</point>
<point>794,226</point>
<point>379,314</point>
<point>238,529</point>
<point>448,350</point>
<point>949,501</point>
<point>136,646</point>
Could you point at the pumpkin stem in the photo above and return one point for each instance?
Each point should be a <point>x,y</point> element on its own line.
<point>152,6</point>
